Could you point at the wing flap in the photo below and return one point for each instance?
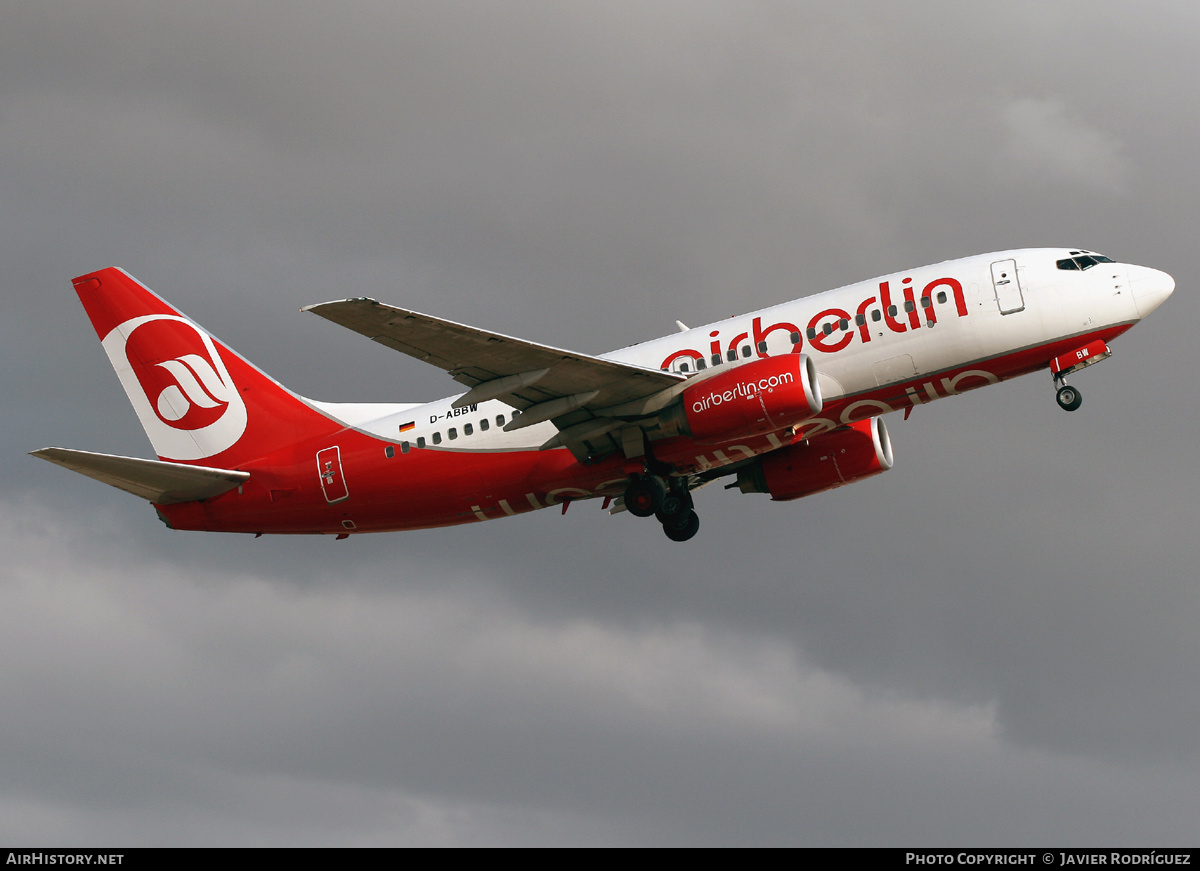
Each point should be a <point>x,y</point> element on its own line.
<point>155,480</point>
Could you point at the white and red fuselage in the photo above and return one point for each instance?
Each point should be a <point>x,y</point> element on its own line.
<point>745,389</point>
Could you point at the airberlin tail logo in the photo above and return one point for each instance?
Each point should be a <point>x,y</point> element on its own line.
<point>197,386</point>
<point>178,384</point>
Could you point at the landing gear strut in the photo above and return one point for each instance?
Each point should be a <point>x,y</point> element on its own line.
<point>1068,397</point>
<point>673,510</point>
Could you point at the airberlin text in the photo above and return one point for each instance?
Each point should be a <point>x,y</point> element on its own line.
<point>833,329</point>
<point>747,389</point>
<point>931,390</point>
<point>616,486</point>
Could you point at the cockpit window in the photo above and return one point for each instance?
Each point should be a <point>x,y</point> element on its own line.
<point>1081,260</point>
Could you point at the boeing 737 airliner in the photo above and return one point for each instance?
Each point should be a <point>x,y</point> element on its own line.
<point>787,400</point>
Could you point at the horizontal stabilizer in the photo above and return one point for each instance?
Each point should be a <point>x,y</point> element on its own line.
<point>158,481</point>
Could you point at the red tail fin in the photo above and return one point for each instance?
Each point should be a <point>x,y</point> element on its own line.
<point>198,401</point>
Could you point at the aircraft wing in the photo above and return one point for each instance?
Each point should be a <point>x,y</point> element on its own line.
<point>583,395</point>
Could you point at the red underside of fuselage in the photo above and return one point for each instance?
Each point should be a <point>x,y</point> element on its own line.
<point>438,487</point>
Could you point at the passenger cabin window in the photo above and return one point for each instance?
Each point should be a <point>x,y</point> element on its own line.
<point>499,420</point>
<point>468,429</point>
<point>941,296</point>
<point>389,451</point>
<point>420,442</point>
<point>437,438</point>
<point>877,315</point>
<point>483,424</point>
<point>812,333</point>
<point>716,359</point>
<point>700,364</point>
<point>405,447</point>
<point>745,351</point>
<point>453,433</point>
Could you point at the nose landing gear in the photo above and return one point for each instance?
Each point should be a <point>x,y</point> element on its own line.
<point>1063,365</point>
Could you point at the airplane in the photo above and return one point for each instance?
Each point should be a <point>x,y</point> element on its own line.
<point>788,401</point>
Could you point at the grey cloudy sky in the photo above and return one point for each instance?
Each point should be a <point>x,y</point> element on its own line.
<point>993,644</point>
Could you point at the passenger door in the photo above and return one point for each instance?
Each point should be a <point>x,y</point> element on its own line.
<point>1008,287</point>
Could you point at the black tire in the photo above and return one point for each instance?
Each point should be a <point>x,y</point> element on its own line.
<point>684,531</point>
<point>1068,398</point>
<point>674,508</point>
<point>644,496</point>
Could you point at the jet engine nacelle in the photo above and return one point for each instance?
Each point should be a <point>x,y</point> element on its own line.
<point>851,453</point>
<point>764,396</point>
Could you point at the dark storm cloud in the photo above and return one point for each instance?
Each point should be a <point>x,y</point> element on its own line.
<point>256,708</point>
<point>992,643</point>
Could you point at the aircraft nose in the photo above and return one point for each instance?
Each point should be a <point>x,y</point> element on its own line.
<point>1151,287</point>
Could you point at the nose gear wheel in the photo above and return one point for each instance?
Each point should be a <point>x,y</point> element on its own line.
<point>1068,398</point>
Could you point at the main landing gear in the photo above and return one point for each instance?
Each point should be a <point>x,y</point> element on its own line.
<point>669,502</point>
